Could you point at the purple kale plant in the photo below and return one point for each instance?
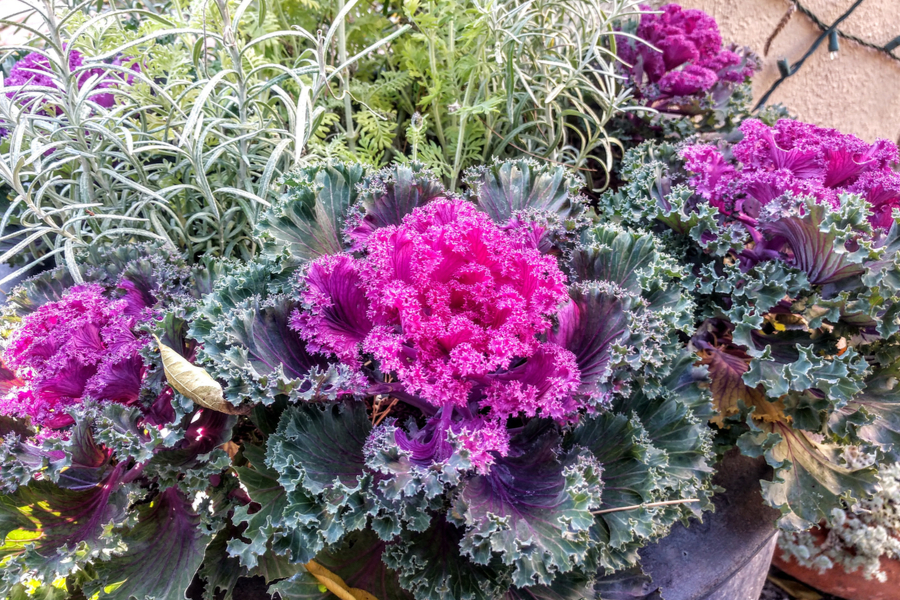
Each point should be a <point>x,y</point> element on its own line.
<point>679,54</point>
<point>456,308</point>
<point>83,345</point>
<point>790,237</point>
<point>105,471</point>
<point>684,80</point>
<point>445,385</point>
<point>800,159</point>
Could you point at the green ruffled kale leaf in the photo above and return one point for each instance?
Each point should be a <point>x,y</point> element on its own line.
<point>506,188</point>
<point>308,220</point>
<point>532,511</point>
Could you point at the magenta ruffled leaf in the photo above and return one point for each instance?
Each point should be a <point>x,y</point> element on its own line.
<point>799,159</point>
<point>82,345</point>
<point>457,304</point>
<point>35,71</point>
<point>335,319</point>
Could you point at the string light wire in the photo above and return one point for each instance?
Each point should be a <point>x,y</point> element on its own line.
<point>830,32</point>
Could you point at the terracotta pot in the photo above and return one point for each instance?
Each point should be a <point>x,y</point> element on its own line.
<point>838,582</point>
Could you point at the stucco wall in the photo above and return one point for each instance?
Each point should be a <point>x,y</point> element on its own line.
<point>858,92</point>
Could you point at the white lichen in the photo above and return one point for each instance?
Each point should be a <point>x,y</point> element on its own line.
<point>858,536</point>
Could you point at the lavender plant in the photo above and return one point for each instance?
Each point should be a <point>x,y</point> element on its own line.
<point>164,125</point>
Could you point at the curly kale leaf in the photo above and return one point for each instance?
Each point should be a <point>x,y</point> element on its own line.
<point>818,238</point>
<point>405,492</point>
<point>45,525</point>
<point>590,325</point>
<point>802,463</point>
<point>264,523</point>
<point>168,530</point>
<point>873,415</point>
<point>254,351</point>
<point>574,585</point>
<point>387,196</point>
<point>532,510</point>
<point>429,565</point>
<point>653,445</point>
<point>221,571</point>
<point>308,220</point>
<point>508,187</point>
<point>318,455</point>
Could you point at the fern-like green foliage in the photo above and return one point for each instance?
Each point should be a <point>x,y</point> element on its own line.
<point>488,80</point>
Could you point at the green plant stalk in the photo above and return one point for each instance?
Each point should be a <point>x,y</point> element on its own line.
<point>345,79</point>
<point>435,104</point>
<point>71,110</point>
<point>460,141</point>
<point>237,64</point>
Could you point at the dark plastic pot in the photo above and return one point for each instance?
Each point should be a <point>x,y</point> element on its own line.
<point>727,556</point>
<point>838,582</point>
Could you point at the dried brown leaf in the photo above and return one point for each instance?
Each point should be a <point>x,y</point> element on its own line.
<point>195,383</point>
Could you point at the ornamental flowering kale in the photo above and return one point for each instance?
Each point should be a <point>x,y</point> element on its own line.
<point>444,386</point>
<point>797,158</point>
<point>686,57</point>
<point>34,69</point>
<point>794,257</point>
<point>454,306</point>
<point>83,345</point>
